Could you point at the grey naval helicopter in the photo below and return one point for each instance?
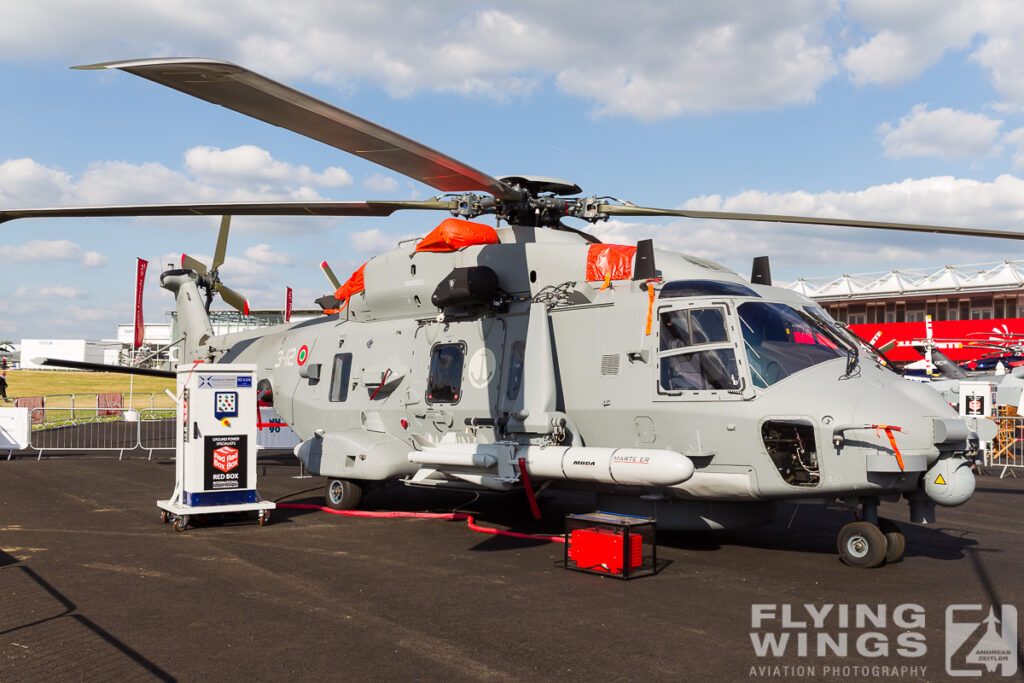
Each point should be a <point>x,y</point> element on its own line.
<point>492,358</point>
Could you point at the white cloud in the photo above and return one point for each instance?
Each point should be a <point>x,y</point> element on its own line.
<point>60,291</point>
<point>93,259</point>
<point>381,183</point>
<point>42,250</point>
<point>906,38</point>
<point>252,166</point>
<point>25,182</point>
<point>998,204</point>
<point>374,241</point>
<point>1016,138</point>
<point>264,253</point>
<point>119,182</point>
<point>945,133</point>
<point>644,59</point>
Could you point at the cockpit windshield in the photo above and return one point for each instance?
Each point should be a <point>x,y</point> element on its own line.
<point>781,340</point>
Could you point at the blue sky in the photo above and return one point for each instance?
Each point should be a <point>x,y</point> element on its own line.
<point>905,111</point>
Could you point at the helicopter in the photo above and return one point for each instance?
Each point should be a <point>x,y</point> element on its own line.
<point>529,353</point>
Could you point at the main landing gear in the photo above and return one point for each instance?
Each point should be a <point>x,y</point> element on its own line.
<point>343,494</point>
<point>871,541</point>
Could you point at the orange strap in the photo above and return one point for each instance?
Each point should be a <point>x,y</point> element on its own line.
<point>889,429</point>
<point>650,307</point>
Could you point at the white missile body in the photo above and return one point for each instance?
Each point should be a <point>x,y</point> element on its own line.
<point>630,466</point>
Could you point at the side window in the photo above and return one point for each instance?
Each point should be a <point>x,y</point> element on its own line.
<point>695,353</point>
<point>515,375</point>
<point>444,383</point>
<point>340,377</point>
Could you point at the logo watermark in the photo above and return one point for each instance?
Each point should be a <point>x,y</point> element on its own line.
<point>808,640</point>
<point>981,641</point>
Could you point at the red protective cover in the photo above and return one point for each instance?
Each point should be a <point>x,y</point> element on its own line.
<point>353,285</point>
<point>455,233</point>
<point>616,259</point>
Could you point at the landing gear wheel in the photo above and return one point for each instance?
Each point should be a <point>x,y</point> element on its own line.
<point>896,542</point>
<point>181,522</point>
<point>342,494</point>
<point>862,544</point>
<point>164,517</point>
<point>264,517</point>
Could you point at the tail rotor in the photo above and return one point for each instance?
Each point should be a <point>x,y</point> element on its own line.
<point>209,278</point>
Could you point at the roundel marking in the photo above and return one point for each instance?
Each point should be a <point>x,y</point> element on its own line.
<point>303,355</point>
<point>482,366</point>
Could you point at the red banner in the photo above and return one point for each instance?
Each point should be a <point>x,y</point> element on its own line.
<point>140,280</point>
<point>288,307</point>
<point>953,337</point>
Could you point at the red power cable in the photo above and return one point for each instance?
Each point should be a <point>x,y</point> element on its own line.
<point>424,515</point>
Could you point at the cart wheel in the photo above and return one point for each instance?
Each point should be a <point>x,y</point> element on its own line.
<point>264,517</point>
<point>181,523</point>
<point>164,517</point>
<point>343,494</point>
<point>896,542</point>
<point>862,544</point>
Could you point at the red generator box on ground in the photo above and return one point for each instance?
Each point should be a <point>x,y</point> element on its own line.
<point>622,546</point>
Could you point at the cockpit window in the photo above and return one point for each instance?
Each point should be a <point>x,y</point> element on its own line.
<point>700,371</point>
<point>781,340</point>
<point>689,327</point>
<point>686,362</point>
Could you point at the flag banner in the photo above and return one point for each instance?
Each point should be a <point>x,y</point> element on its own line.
<point>140,280</point>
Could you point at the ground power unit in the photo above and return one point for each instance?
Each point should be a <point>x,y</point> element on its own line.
<point>215,463</point>
<point>622,546</point>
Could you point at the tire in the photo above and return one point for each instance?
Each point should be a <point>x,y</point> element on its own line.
<point>896,542</point>
<point>343,494</point>
<point>862,544</point>
<point>181,523</point>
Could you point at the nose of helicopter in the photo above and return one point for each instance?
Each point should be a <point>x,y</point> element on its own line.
<point>926,423</point>
<point>932,437</point>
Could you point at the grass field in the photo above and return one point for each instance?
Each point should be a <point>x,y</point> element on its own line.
<point>85,385</point>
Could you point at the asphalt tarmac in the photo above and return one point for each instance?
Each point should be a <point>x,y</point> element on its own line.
<point>94,587</point>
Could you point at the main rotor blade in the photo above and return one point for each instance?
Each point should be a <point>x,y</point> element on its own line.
<point>102,367</point>
<point>235,87</point>
<point>233,298</point>
<point>631,210</point>
<point>193,264</point>
<point>322,208</point>
<point>222,242</point>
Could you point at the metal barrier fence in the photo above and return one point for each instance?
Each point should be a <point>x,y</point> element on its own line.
<point>102,429</point>
<point>1007,449</point>
<point>106,401</point>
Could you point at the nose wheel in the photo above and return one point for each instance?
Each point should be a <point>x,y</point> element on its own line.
<point>871,541</point>
<point>862,544</point>
<point>896,542</point>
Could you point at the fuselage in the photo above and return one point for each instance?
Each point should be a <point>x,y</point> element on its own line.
<point>755,385</point>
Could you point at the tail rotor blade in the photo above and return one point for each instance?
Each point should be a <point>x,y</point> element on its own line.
<point>192,264</point>
<point>222,242</point>
<point>233,299</point>
<point>330,275</point>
